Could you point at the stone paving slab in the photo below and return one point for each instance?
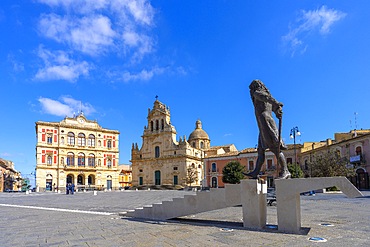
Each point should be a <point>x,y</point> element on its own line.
<point>39,227</point>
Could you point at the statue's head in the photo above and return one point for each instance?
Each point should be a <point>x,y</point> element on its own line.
<point>257,85</point>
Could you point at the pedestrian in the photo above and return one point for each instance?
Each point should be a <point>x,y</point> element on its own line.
<point>67,188</point>
<point>72,188</point>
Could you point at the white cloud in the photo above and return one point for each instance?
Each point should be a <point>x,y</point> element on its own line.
<point>99,27</point>
<point>319,20</point>
<point>143,75</point>
<point>67,106</point>
<point>58,66</point>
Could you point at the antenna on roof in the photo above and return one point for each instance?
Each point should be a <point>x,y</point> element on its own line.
<point>356,120</point>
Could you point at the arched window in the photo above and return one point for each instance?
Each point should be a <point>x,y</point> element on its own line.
<point>109,144</point>
<point>81,139</point>
<point>109,162</point>
<point>71,138</point>
<point>91,160</point>
<point>151,125</point>
<point>49,160</point>
<point>62,140</point>
<point>156,124</point>
<point>214,167</point>
<point>81,159</point>
<point>358,150</point>
<point>157,153</point>
<point>162,124</point>
<point>201,144</point>
<point>99,143</point>
<point>91,141</point>
<point>70,159</point>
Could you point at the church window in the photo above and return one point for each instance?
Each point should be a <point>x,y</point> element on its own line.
<point>214,167</point>
<point>193,144</point>
<point>81,139</point>
<point>162,123</point>
<point>156,149</point>
<point>201,144</point>
<point>156,124</point>
<point>151,125</point>
<point>71,138</point>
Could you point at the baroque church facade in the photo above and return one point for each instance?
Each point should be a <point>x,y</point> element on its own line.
<point>76,150</point>
<point>163,160</point>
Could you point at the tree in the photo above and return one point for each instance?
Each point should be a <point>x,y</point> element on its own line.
<point>233,172</point>
<point>295,171</point>
<point>329,165</point>
<point>191,176</point>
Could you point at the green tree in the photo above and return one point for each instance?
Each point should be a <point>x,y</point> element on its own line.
<point>233,172</point>
<point>329,165</point>
<point>295,171</point>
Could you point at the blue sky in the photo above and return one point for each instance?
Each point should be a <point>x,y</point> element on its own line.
<point>113,57</point>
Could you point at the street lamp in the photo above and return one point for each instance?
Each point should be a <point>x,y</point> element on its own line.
<point>293,133</point>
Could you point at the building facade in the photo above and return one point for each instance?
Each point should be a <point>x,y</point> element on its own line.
<point>125,176</point>
<point>354,146</point>
<point>10,179</point>
<point>77,151</point>
<point>163,160</point>
<point>215,163</point>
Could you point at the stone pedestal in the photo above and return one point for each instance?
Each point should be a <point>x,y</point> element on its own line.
<point>253,199</point>
<point>288,197</point>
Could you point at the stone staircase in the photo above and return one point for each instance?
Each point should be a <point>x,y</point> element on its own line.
<point>202,201</point>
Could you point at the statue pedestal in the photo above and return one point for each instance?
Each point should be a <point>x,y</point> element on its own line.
<point>289,202</point>
<point>253,199</point>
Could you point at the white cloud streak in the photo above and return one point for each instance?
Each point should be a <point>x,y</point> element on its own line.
<point>59,66</point>
<point>66,106</point>
<point>143,75</point>
<point>319,20</point>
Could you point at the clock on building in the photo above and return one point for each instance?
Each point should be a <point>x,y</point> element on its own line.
<point>81,120</point>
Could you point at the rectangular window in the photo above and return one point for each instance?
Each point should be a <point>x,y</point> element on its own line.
<point>175,180</point>
<point>251,165</point>
<point>269,164</point>
<point>175,168</point>
<point>50,139</point>
<point>141,181</point>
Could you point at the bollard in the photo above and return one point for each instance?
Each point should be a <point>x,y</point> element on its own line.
<point>27,192</point>
<point>95,192</point>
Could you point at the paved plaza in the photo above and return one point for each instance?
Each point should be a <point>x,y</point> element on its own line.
<point>85,219</point>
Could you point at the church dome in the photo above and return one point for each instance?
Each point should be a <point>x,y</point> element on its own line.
<point>198,133</point>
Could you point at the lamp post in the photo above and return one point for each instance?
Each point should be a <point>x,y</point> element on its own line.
<point>293,133</point>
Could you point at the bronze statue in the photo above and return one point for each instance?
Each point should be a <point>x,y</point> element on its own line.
<point>269,135</point>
